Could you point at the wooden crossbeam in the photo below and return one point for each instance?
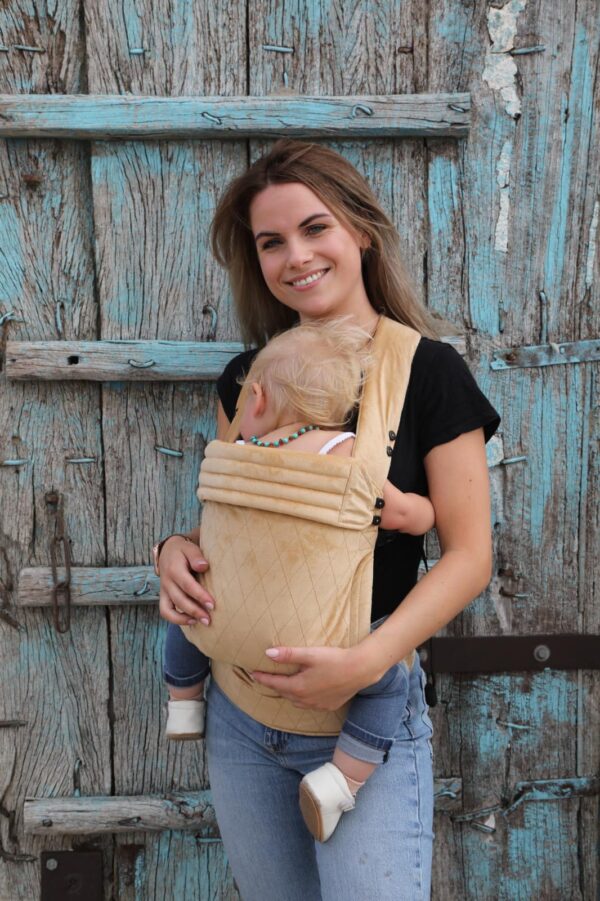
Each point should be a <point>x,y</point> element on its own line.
<point>154,813</point>
<point>105,117</point>
<point>128,361</point>
<point>90,585</point>
<point>119,361</point>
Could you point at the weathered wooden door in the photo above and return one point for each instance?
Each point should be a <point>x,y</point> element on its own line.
<point>104,211</point>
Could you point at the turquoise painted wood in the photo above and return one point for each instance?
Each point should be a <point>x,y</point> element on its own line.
<point>363,116</point>
<point>106,241</point>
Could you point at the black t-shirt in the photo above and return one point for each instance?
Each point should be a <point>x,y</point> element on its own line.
<point>442,402</point>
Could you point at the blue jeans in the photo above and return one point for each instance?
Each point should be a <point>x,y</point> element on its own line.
<point>381,849</point>
<point>374,713</point>
<point>183,663</point>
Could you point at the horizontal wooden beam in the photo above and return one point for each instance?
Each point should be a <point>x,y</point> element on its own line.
<point>119,361</point>
<point>90,586</point>
<point>136,813</point>
<point>105,117</point>
<point>154,813</point>
<point>128,361</point>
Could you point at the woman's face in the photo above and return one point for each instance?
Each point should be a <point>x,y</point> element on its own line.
<point>310,261</point>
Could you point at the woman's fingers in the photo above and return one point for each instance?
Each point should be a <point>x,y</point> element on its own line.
<point>183,600</point>
<point>168,612</point>
<point>187,605</point>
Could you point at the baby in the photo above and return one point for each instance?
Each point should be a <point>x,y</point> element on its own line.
<point>304,387</point>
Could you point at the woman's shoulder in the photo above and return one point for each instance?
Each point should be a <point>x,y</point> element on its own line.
<point>443,399</point>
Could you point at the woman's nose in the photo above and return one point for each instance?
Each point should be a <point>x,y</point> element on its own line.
<point>299,253</point>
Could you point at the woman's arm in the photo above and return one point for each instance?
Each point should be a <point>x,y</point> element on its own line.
<point>458,481</point>
<point>459,491</point>
<point>179,563</point>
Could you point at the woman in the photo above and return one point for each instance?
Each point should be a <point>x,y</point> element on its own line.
<point>303,238</point>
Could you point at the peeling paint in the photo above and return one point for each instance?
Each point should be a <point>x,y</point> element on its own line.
<point>589,266</point>
<point>500,68</point>
<point>503,179</point>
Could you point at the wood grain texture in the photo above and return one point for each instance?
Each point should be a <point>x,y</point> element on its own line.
<point>56,685</point>
<point>90,586</point>
<point>152,204</point>
<point>119,361</point>
<point>110,117</point>
<point>511,212</point>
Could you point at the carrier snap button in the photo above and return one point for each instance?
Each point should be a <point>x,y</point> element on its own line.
<point>392,436</point>
<point>379,503</point>
<point>376,520</point>
<point>390,451</point>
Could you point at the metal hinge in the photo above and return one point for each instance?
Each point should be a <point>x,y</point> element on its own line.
<point>510,653</point>
<point>76,875</point>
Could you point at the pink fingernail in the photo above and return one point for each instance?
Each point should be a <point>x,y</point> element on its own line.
<point>272,652</point>
<point>205,621</point>
<point>209,606</point>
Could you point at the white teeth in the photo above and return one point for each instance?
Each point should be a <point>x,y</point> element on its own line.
<point>311,278</point>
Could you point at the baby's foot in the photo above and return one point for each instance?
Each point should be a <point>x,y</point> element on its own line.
<point>324,797</point>
<point>185,720</point>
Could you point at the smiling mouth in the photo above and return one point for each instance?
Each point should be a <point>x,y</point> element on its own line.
<point>308,280</point>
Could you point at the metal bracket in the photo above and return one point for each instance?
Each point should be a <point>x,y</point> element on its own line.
<point>510,653</point>
<point>547,354</point>
<point>75,875</point>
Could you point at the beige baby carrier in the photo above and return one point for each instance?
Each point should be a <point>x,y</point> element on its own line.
<point>289,537</point>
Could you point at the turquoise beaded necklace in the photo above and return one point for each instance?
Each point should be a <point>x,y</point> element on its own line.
<point>280,441</point>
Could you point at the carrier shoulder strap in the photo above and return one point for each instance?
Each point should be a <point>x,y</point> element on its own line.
<point>393,348</point>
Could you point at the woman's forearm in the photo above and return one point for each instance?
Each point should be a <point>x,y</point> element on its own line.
<point>435,600</point>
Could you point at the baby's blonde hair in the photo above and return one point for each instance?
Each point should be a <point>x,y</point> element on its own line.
<point>314,371</point>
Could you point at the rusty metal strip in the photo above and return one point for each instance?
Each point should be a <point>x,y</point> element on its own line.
<point>547,355</point>
<point>534,790</point>
<point>511,653</point>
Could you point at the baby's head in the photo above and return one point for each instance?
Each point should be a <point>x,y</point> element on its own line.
<point>312,373</point>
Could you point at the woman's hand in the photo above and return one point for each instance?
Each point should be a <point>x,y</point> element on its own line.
<point>328,677</point>
<point>182,600</point>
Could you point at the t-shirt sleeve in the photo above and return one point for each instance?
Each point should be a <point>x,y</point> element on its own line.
<point>228,387</point>
<point>451,402</point>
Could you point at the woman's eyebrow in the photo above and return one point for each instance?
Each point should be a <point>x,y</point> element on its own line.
<point>301,225</point>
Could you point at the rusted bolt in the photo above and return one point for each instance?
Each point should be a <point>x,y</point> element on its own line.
<point>541,652</point>
<point>46,821</point>
<point>51,863</point>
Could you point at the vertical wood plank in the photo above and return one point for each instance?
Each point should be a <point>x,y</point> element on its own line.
<point>153,202</point>
<point>353,48</point>
<point>55,685</point>
<point>511,212</point>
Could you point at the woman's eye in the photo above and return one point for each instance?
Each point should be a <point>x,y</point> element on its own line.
<point>269,244</point>
<point>319,227</point>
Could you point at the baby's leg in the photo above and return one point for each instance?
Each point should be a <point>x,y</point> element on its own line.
<point>364,743</point>
<point>184,668</point>
<point>188,693</point>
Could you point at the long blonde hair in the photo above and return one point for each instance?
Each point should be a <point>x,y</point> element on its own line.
<point>314,372</point>
<point>347,194</point>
